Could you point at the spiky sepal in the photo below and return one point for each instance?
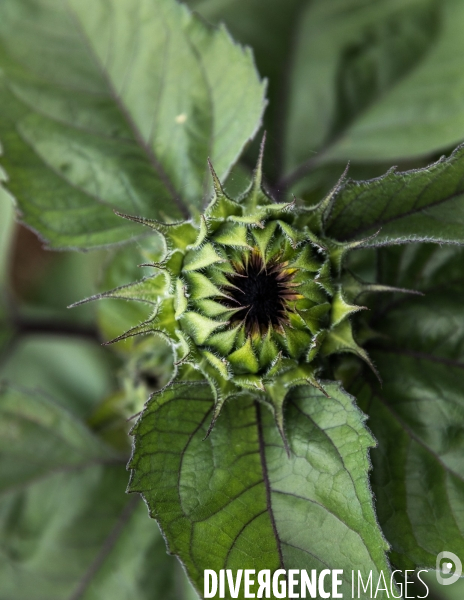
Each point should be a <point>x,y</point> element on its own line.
<point>252,295</point>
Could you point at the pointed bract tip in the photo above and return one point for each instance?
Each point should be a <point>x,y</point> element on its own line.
<point>153,265</point>
<point>258,172</point>
<point>155,225</point>
<point>86,300</point>
<point>365,357</point>
<point>216,183</point>
<point>128,217</point>
<point>124,336</point>
<point>361,243</point>
<point>262,146</point>
<point>345,172</point>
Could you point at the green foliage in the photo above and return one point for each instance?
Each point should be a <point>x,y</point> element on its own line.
<point>115,105</point>
<point>54,366</point>
<point>418,414</point>
<point>252,297</point>
<point>413,112</point>
<point>371,82</point>
<point>236,500</point>
<point>359,53</point>
<point>421,205</point>
<point>104,107</point>
<point>71,446</point>
<point>67,529</point>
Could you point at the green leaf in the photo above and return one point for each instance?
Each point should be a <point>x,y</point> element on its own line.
<point>67,528</point>
<point>419,205</point>
<point>78,536</point>
<point>419,113</point>
<point>38,437</point>
<point>117,105</point>
<point>417,415</point>
<point>271,34</point>
<point>235,500</point>
<point>382,93</point>
<point>357,53</point>
<point>422,267</point>
<point>75,371</point>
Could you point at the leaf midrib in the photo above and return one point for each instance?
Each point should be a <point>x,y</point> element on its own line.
<point>126,114</point>
<point>106,547</point>
<point>267,484</point>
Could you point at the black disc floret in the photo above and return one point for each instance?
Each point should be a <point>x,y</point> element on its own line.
<point>261,293</point>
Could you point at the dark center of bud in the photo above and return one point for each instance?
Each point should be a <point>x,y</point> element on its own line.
<point>260,292</point>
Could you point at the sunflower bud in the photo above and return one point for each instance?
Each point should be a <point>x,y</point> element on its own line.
<point>250,295</point>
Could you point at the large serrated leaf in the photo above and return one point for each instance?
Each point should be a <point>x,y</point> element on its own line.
<point>419,205</point>
<point>418,414</point>
<point>67,529</point>
<point>235,500</point>
<point>271,34</point>
<point>117,105</point>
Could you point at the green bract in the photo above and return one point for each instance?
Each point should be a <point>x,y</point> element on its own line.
<point>251,295</point>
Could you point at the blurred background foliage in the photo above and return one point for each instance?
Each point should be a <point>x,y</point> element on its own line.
<point>377,82</point>
<point>67,529</point>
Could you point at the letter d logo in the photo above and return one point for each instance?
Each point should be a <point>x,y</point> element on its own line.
<point>448,567</point>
